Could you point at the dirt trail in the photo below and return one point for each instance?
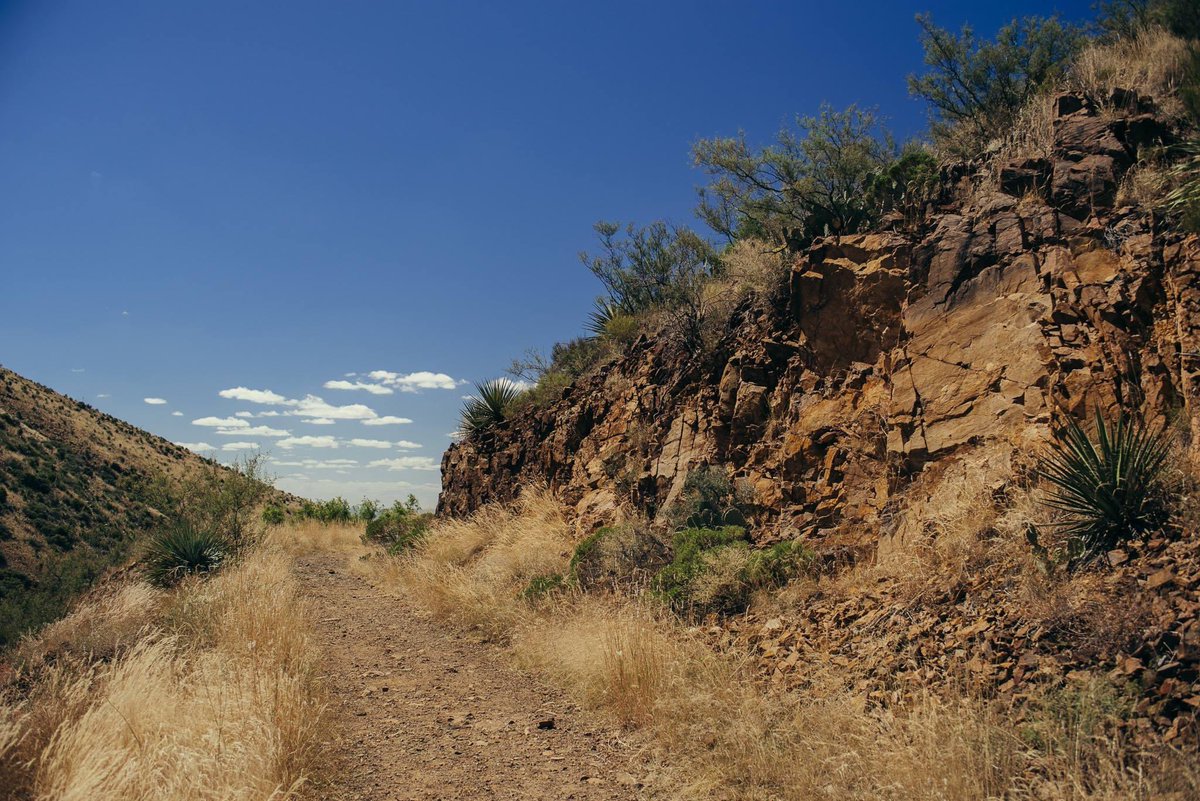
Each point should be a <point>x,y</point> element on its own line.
<point>419,711</point>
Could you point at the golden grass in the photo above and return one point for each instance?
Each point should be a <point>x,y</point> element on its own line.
<point>725,735</point>
<point>205,691</point>
<point>1153,63</point>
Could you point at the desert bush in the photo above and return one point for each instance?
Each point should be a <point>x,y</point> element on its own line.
<point>729,573</point>
<point>491,405</point>
<point>334,510</point>
<point>181,549</point>
<point>1126,19</point>
<point>710,499</point>
<point>400,527</point>
<point>690,549</point>
<point>1108,490</point>
<point>224,501</point>
<point>367,510</point>
<point>273,515</point>
<point>811,183</point>
<point>976,88</point>
<point>622,556</point>
<point>906,185</point>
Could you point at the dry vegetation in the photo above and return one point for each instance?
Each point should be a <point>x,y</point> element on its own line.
<point>205,691</point>
<point>730,736</point>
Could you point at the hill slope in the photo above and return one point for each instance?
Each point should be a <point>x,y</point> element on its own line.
<point>73,496</point>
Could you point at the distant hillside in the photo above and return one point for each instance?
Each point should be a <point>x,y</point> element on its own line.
<point>73,497</point>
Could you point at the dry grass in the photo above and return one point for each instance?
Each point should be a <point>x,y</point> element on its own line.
<point>1153,63</point>
<point>207,691</point>
<point>725,735</point>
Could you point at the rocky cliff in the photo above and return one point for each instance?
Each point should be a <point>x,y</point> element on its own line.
<point>1032,289</point>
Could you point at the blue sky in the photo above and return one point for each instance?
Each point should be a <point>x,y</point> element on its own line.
<point>272,195</point>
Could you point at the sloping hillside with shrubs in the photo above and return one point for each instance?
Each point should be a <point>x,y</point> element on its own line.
<point>79,490</point>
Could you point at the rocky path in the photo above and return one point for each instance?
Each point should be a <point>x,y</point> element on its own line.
<point>419,711</point>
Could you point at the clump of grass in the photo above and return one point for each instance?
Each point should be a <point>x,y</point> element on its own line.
<point>691,558</point>
<point>182,549</point>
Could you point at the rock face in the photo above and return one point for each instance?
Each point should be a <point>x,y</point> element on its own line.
<point>1029,294</point>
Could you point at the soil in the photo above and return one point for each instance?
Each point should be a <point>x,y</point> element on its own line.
<point>421,711</point>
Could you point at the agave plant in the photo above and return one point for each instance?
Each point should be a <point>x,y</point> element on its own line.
<point>183,549</point>
<point>1109,490</point>
<point>604,312</point>
<point>491,404</point>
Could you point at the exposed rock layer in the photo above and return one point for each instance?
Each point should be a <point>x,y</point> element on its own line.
<point>1029,293</point>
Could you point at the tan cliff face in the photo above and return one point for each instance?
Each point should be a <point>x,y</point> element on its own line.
<point>1028,294</point>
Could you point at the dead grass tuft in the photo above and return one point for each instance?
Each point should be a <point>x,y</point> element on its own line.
<point>1152,63</point>
<point>208,691</point>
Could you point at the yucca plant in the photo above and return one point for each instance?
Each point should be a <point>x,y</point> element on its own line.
<point>604,313</point>
<point>491,404</point>
<point>182,549</point>
<point>1108,490</point>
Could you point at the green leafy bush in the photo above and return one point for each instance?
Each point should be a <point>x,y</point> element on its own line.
<point>400,527</point>
<point>334,510</point>
<point>491,404</point>
<point>976,88</point>
<point>674,583</point>
<point>181,549</point>
<point>1108,490</point>
<point>623,556</point>
<point>1184,199</point>
<point>367,510</point>
<point>273,515</point>
<point>812,182</point>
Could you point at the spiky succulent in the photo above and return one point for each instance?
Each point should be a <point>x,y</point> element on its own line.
<point>491,404</point>
<point>1184,199</point>
<point>182,549</point>
<point>1108,490</point>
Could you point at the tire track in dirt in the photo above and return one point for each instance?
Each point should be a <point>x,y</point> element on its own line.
<point>418,711</point>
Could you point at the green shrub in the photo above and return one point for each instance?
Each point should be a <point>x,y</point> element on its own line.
<point>812,182</point>
<point>976,88</point>
<point>180,550</point>
<point>367,510</point>
<point>1108,490</point>
<point>491,405</point>
<point>709,499</point>
<point>689,548</point>
<point>273,515</point>
<point>716,570</point>
<point>334,510</point>
<point>621,556</point>
<point>400,527</point>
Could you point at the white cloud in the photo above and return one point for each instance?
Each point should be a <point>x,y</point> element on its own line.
<point>243,414</point>
<point>370,443</point>
<point>198,447</point>
<point>155,401</point>
<point>386,420</point>
<point>270,413</point>
<point>320,421</point>
<point>312,406</point>
<point>253,395</point>
<point>240,446</point>
<point>78,369</point>
<point>254,431</point>
<point>177,414</point>
<point>406,463</point>
<point>319,464</point>
<point>405,445</point>
<point>103,395</point>
<point>374,389</point>
<point>221,422</point>
<point>312,442</point>
<point>413,382</point>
